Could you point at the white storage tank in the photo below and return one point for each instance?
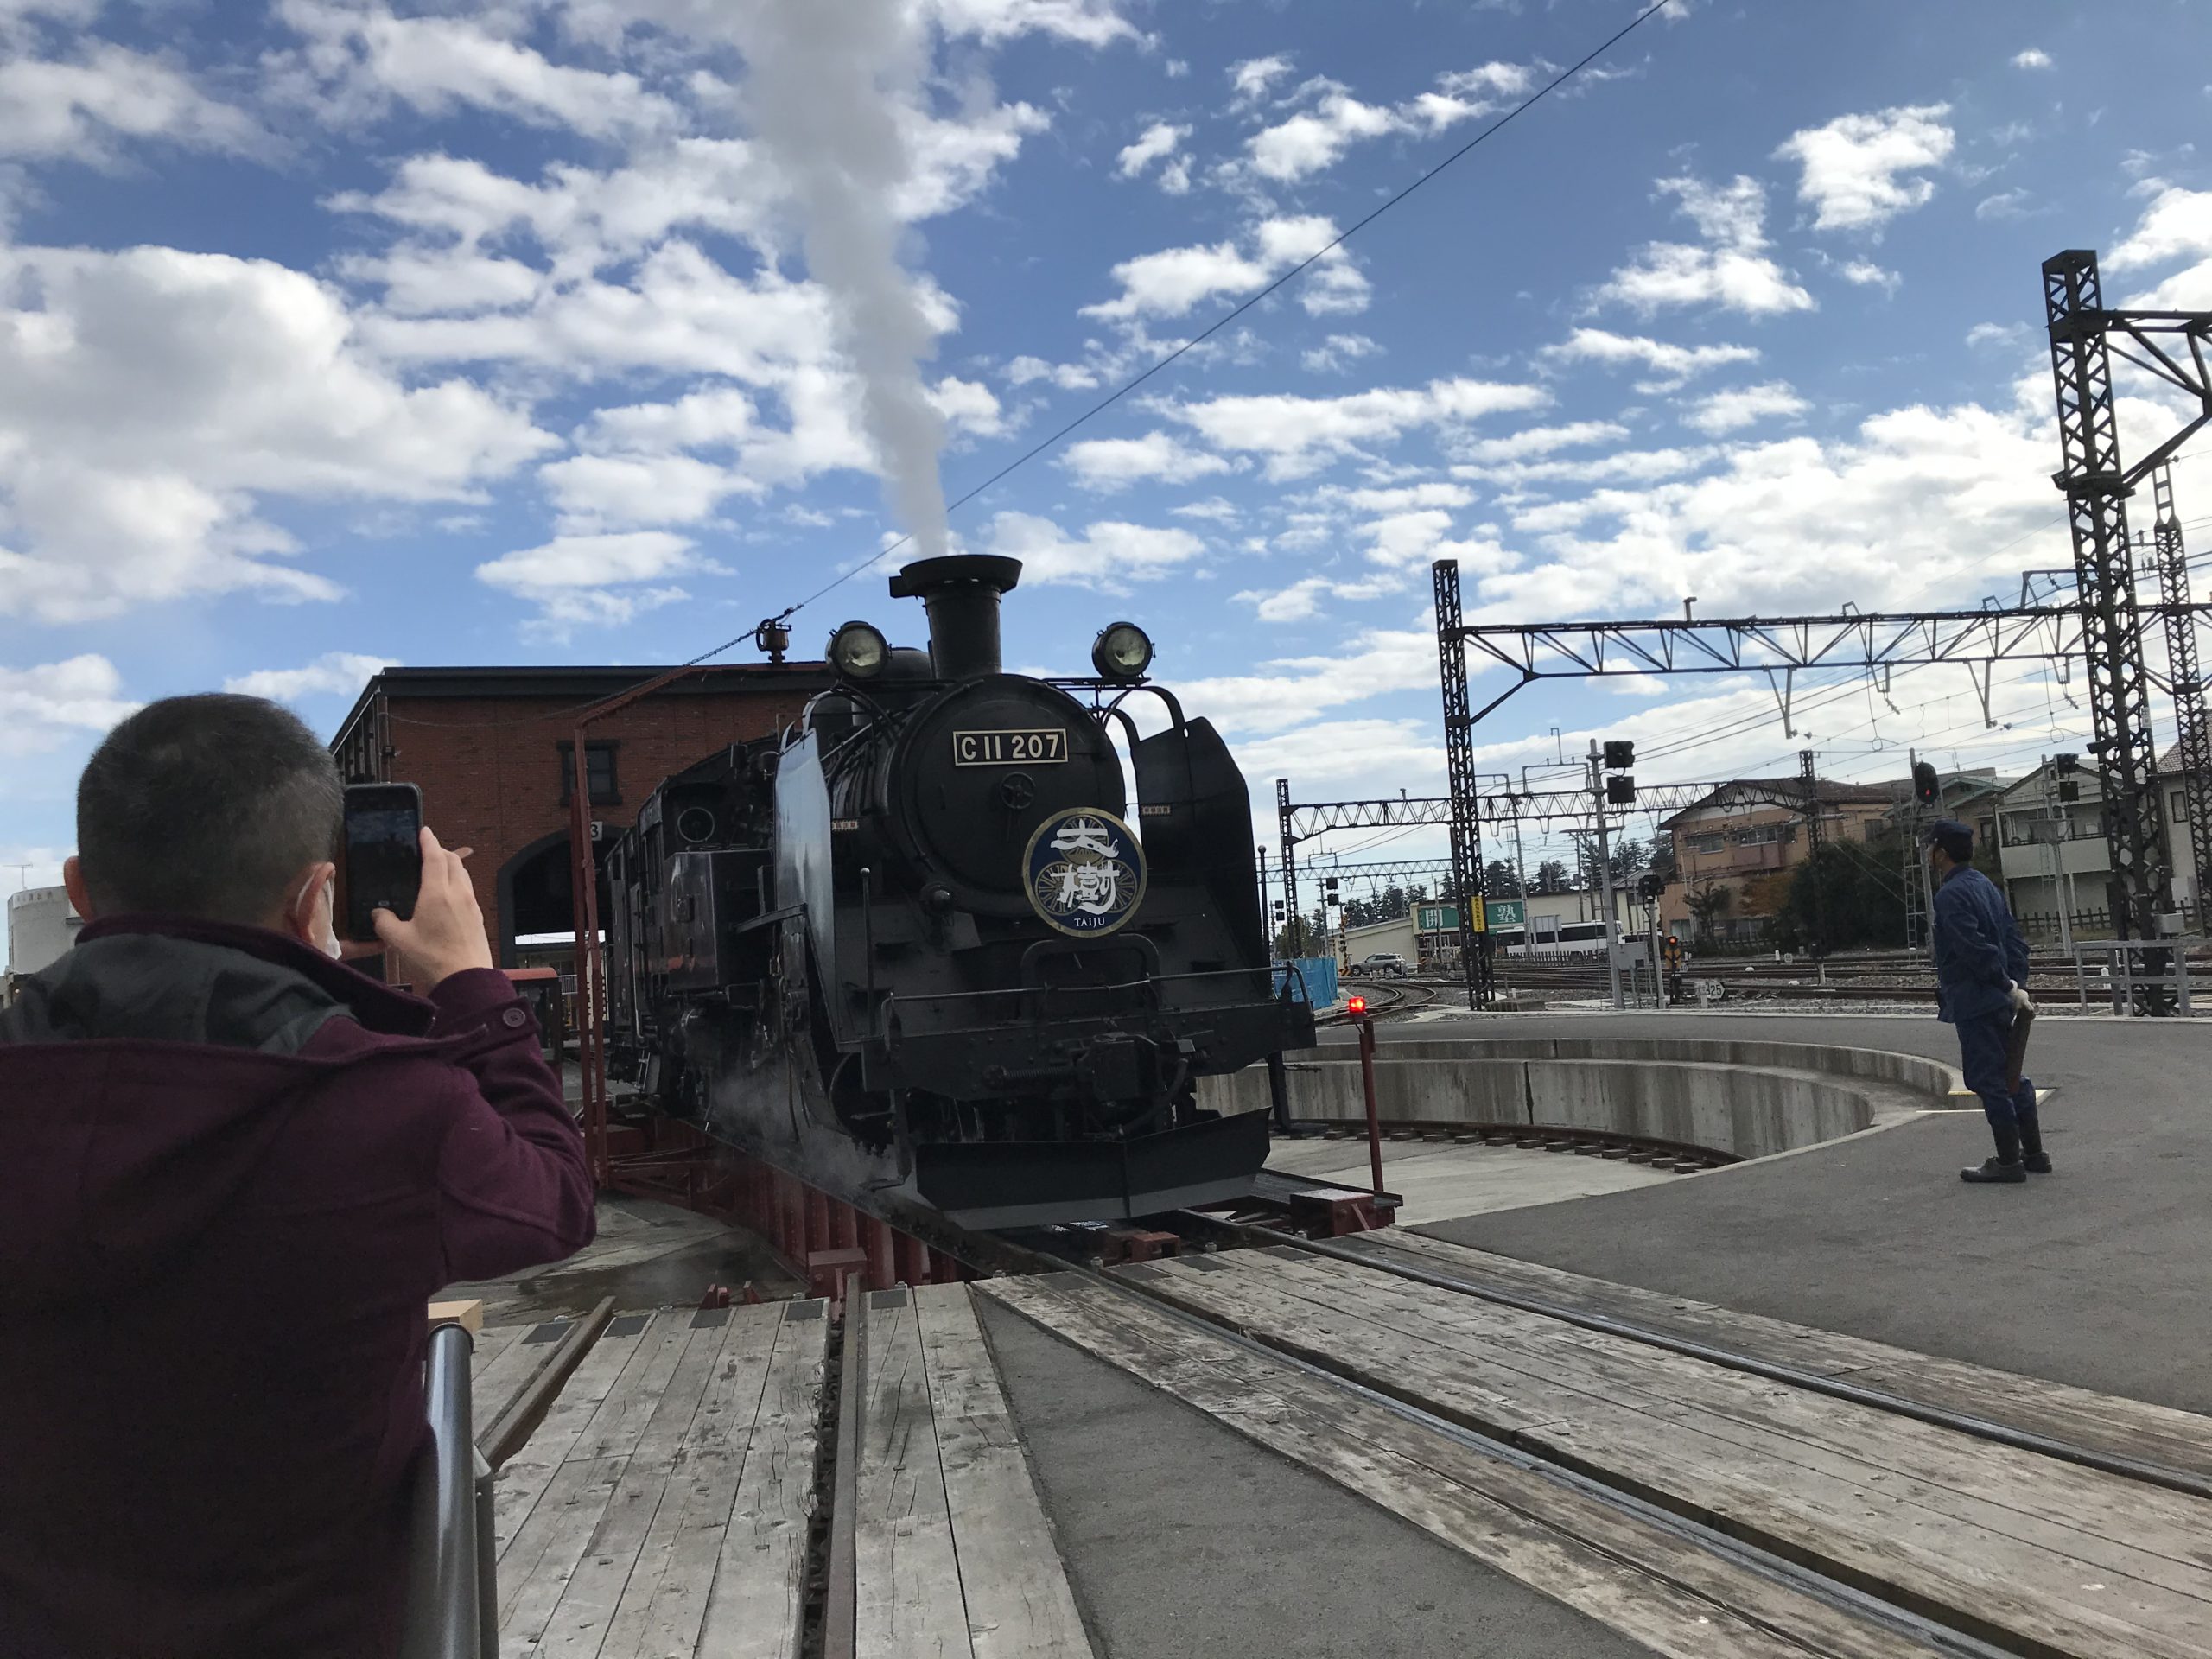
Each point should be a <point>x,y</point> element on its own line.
<point>41,924</point>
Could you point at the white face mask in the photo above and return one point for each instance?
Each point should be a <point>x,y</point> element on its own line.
<point>325,903</point>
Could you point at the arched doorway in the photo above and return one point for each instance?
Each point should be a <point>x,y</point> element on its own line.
<point>538,905</point>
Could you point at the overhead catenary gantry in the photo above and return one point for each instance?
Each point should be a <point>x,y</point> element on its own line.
<point>2102,626</point>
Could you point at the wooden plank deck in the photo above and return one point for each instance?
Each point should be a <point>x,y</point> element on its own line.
<point>661,1485</point>
<point>2099,1421</point>
<point>1644,1580</point>
<point>2026,1549</point>
<point>952,1552</point>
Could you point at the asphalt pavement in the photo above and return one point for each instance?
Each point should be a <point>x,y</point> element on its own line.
<point>2095,1275</point>
<point>1185,1541</point>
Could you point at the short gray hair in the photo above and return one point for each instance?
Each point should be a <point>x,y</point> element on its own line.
<point>205,806</point>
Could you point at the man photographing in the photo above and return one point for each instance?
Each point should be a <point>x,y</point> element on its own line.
<point>233,1172</point>
<point>1981,973</point>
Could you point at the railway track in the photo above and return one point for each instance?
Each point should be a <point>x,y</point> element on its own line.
<point>1387,999</point>
<point>1710,1484</point>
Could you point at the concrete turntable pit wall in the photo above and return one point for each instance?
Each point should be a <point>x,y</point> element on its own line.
<point>1742,1099</point>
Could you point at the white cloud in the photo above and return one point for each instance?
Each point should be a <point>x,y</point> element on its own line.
<point>1865,273</point>
<point>1158,142</point>
<point>334,674</point>
<point>1667,364</point>
<point>358,57</point>
<point>2034,58</point>
<point>1068,376</point>
<point>577,581</point>
<point>1533,441</point>
<point>148,398</point>
<point>1086,23</point>
<point>1741,406</point>
<point>1251,79</point>
<point>969,407</point>
<point>1853,167</point>
<point>1998,333</point>
<point>1314,139</point>
<point>1733,270</point>
<point>2178,225</point>
<point>1213,510</point>
<point>2006,204</point>
<point>81,109</point>
<point>1288,691</point>
<point>1175,68</point>
<point>1332,120</point>
<point>44,705</point>
<point>1157,457</point>
<point>1338,352</point>
<point>1298,435</point>
<point>1622,466</point>
<point>1796,524</point>
<point>1108,556</point>
<point>1303,597</point>
<point>1175,281</point>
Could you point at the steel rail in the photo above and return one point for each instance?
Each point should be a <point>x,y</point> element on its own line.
<point>1983,1428</point>
<point>1776,1568</point>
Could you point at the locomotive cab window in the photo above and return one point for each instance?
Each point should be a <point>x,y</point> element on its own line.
<point>599,772</point>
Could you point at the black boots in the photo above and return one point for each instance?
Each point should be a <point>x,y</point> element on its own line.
<point>2006,1167</point>
<point>2033,1156</point>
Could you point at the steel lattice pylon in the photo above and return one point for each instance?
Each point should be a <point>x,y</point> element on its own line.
<point>2188,688</point>
<point>1459,764</point>
<point>2096,488</point>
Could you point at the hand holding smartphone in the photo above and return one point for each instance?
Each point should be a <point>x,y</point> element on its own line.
<point>383,863</point>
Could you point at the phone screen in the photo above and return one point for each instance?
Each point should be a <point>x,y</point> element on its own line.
<point>384,854</point>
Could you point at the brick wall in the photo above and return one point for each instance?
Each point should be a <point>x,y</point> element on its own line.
<point>490,770</point>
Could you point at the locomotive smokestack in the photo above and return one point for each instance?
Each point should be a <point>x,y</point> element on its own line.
<point>962,594</point>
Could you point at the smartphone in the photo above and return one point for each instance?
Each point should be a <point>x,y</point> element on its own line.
<point>383,853</point>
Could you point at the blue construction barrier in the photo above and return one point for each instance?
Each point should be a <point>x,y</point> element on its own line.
<point>1315,979</point>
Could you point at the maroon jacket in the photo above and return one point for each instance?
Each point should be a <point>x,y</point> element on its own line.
<point>231,1174</point>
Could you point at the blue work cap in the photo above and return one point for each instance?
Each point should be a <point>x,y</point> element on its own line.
<point>1953,837</point>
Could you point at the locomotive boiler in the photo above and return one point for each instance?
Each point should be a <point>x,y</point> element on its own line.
<point>937,951</point>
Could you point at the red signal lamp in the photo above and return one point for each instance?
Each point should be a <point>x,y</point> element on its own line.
<point>1355,1007</point>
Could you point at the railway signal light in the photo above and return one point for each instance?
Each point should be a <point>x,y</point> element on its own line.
<point>1926,788</point>
<point>1620,755</point>
<point>1355,1007</point>
<point>2063,763</point>
<point>1620,791</point>
<point>1329,895</point>
<point>2070,792</point>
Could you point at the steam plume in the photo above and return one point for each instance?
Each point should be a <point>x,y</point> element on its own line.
<point>826,79</point>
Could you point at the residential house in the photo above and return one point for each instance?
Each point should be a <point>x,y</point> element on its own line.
<point>1747,834</point>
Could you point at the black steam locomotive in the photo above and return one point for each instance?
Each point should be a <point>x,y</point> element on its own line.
<point>913,951</point>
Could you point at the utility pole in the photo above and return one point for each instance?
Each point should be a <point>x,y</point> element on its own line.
<point>2056,822</point>
<point>1605,872</point>
<point>1289,870</point>
<point>2195,731</point>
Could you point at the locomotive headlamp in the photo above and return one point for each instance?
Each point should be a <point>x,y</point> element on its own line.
<point>1122,651</point>
<point>858,651</point>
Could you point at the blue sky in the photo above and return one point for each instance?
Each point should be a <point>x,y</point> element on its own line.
<point>335,332</point>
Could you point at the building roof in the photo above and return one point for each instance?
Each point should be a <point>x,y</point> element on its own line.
<point>580,685</point>
<point>1789,792</point>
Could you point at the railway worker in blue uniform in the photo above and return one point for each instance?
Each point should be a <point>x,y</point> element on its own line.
<point>1981,971</point>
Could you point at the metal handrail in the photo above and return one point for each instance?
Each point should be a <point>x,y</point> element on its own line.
<point>452,1609</point>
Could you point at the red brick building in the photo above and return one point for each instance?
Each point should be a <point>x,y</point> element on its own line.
<point>489,749</point>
